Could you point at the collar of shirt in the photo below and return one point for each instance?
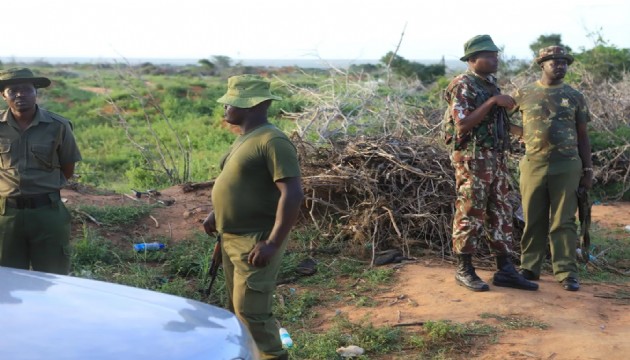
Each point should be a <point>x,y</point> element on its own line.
<point>39,117</point>
<point>489,79</point>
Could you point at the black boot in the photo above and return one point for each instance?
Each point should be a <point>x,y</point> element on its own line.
<point>507,276</point>
<point>466,276</point>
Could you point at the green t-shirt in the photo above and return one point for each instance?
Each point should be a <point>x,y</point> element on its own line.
<point>550,118</point>
<point>244,195</point>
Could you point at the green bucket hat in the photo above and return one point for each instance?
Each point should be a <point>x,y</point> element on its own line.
<point>553,52</point>
<point>246,91</point>
<point>21,75</point>
<point>476,44</point>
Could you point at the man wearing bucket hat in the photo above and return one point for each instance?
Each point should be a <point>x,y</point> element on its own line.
<point>256,200</point>
<point>38,153</point>
<point>557,163</point>
<point>476,128</point>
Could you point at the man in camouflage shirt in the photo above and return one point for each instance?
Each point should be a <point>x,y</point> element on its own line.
<point>477,129</point>
<point>557,162</point>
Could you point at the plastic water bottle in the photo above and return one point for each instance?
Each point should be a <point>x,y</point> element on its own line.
<point>148,246</point>
<point>287,343</point>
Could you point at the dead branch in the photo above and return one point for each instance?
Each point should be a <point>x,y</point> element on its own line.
<point>157,224</point>
<point>90,217</point>
<point>415,323</point>
<point>189,187</point>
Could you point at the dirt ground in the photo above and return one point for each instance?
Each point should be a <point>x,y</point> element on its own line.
<point>581,325</point>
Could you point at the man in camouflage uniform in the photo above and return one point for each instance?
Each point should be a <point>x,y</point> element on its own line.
<point>37,153</point>
<point>477,130</point>
<point>557,162</point>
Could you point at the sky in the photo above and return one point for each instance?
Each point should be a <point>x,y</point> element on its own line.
<point>294,29</point>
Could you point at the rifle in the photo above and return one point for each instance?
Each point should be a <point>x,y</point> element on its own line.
<point>584,214</point>
<point>213,271</point>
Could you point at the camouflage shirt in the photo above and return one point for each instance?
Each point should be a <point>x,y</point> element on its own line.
<point>550,115</point>
<point>464,94</point>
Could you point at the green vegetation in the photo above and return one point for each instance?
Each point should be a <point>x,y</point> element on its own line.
<point>516,322</point>
<point>406,68</point>
<point>610,251</point>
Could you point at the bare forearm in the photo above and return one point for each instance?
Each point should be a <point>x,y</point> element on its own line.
<point>67,170</point>
<point>286,215</point>
<point>584,149</point>
<point>584,146</point>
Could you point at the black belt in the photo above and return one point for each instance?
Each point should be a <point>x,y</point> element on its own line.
<point>28,201</point>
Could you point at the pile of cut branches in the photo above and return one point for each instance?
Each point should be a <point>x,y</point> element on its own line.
<point>380,193</point>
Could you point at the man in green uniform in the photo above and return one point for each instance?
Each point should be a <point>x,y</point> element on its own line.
<point>37,153</point>
<point>477,129</point>
<point>557,162</point>
<point>256,200</point>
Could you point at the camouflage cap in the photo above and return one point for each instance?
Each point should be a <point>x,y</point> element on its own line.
<point>477,44</point>
<point>246,91</point>
<point>22,75</point>
<point>553,52</point>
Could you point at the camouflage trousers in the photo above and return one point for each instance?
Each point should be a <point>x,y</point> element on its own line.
<point>482,207</point>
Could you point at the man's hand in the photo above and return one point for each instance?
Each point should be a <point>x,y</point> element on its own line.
<point>505,101</point>
<point>262,253</point>
<point>210,224</point>
<point>586,181</point>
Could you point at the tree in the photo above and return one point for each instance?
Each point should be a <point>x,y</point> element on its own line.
<point>206,64</point>
<point>404,67</point>
<point>222,61</point>
<point>547,40</point>
<point>605,61</point>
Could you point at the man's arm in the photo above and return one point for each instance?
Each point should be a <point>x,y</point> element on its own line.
<point>67,170</point>
<point>584,149</point>
<point>210,223</point>
<point>476,116</point>
<point>291,196</point>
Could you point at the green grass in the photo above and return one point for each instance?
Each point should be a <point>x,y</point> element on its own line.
<point>611,251</point>
<point>516,322</point>
<point>114,217</point>
<point>374,340</point>
<point>443,339</point>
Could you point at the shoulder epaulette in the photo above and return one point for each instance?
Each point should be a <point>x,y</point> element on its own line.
<point>59,118</point>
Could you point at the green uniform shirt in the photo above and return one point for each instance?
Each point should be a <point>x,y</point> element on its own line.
<point>245,196</point>
<point>30,160</point>
<point>550,118</point>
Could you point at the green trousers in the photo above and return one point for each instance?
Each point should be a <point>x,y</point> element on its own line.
<point>549,195</point>
<point>250,290</point>
<point>36,238</point>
